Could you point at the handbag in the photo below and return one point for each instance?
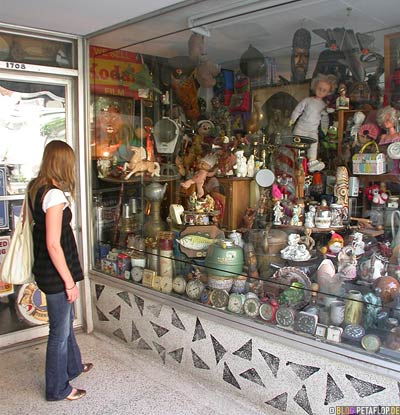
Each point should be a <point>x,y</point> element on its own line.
<point>369,163</point>
<point>18,261</point>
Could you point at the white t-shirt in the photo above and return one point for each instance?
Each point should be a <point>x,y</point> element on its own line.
<point>54,197</point>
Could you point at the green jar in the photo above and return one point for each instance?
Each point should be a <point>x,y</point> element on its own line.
<point>224,259</point>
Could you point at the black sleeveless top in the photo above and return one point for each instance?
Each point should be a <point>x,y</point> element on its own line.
<point>47,277</point>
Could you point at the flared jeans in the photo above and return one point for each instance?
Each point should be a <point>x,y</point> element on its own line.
<point>63,357</point>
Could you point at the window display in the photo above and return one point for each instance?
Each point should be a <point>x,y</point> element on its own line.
<point>233,182</point>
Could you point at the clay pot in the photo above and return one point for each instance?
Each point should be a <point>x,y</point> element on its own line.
<point>387,288</point>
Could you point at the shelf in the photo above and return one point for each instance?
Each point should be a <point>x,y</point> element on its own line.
<point>313,230</point>
<point>140,179</point>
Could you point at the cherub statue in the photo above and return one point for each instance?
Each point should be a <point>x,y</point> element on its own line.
<point>204,170</point>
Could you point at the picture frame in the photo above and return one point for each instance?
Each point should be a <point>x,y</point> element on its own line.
<point>392,69</point>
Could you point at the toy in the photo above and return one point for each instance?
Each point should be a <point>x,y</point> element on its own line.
<point>310,113</point>
<point>376,194</point>
<point>342,101</point>
<point>199,177</point>
<point>206,72</point>
<point>300,54</point>
<point>334,245</point>
<point>241,164</point>
<point>139,164</point>
<point>387,118</point>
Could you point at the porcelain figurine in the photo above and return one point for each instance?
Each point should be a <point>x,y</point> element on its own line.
<point>310,217</point>
<point>358,244</point>
<point>250,166</point>
<point>347,263</point>
<point>373,305</point>
<point>294,250</point>
<point>241,164</point>
<point>278,213</point>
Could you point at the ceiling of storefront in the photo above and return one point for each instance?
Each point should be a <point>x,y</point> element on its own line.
<point>76,16</point>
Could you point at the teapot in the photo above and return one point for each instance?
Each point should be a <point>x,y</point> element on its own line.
<point>155,191</point>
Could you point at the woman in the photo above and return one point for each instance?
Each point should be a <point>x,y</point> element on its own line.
<point>56,267</point>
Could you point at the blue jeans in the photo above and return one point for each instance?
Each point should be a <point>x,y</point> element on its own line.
<point>63,357</point>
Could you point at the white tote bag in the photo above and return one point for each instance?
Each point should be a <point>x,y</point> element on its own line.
<point>17,263</point>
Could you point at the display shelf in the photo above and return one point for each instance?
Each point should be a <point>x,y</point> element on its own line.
<point>313,230</point>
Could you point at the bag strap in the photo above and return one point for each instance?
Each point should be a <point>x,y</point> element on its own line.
<point>368,143</point>
<point>26,211</point>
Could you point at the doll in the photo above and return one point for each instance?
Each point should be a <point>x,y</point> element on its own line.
<point>309,113</point>
<point>204,170</point>
<point>342,102</point>
<point>387,118</point>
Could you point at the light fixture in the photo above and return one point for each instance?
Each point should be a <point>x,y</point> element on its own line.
<point>229,13</point>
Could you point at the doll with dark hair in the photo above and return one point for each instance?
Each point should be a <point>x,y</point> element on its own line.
<point>300,54</point>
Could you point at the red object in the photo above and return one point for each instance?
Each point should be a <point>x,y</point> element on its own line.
<point>317,180</point>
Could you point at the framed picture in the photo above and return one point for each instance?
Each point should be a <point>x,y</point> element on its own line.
<point>277,103</point>
<point>392,69</point>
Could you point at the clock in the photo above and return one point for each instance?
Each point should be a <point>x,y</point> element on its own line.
<point>137,273</point>
<point>179,284</point>
<point>334,334</point>
<point>166,284</point>
<point>268,310</point>
<point>354,332</point>
<point>219,298</point>
<point>194,289</point>
<point>371,343</point>
<point>320,330</point>
<point>157,283</point>
<point>285,316</point>
<point>305,322</point>
<point>148,276</point>
<point>205,296</point>
<point>251,307</point>
<point>235,303</point>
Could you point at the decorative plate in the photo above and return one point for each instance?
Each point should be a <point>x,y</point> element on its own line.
<point>265,178</point>
<point>284,278</point>
<point>393,151</point>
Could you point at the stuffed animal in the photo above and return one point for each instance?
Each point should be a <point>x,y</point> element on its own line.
<point>206,72</point>
<point>376,195</point>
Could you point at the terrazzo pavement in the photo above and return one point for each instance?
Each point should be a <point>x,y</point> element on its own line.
<point>121,382</point>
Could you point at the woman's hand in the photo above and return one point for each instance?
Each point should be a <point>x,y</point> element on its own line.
<point>72,293</point>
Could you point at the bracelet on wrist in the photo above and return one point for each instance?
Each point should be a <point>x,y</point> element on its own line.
<point>69,289</point>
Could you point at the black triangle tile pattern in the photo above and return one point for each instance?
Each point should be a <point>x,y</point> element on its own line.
<point>101,316</point>
<point>143,345</point>
<point>161,351</point>
<point>198,362</point>
<point>219,350</point>
<point>124,295</point>
<point>176,321</point>
<point>177,354</point>
<point>364,388</point>
<point>228,377</point>
<point>246,351</point>
<point>99,290</point>
<point>333,392</point>
<point>116,313</point>
<point>140,304</point>
<point>271,360</point>
<point>303,372</point>
<point>301,398</point>
<point>155,309</point>
<point>253,376</point>
<point>279,402</point>
<point>160,331</point>
<point>120,334</point>
<point>135,335</point>
<point>199,333</point>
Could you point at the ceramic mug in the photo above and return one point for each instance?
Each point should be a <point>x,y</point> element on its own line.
<point>337,312</point>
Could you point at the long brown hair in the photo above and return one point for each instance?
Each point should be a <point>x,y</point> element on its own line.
<point>57,169</point>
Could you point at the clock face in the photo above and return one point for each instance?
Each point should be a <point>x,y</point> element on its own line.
<point>148,276</point>
<point>267,312</point>
<point>305,322</point>
<point>179,284</point>
<point>284,316</point>
<point>137,273</point>
<point>371,343</point>
<point>194,289</point>
<point>334,334</point>
<point>166,284</point>
<point>354,332</point>
<point>219,298</point>
<point>157,283</point>
<point>235,304</point>
<point>251,307</point>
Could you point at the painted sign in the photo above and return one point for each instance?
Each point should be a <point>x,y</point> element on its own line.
<point>112,72</point>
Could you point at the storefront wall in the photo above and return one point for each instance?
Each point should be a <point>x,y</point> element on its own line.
<point>259,368</point>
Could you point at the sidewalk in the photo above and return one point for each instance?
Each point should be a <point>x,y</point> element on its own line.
<point>121,383</point>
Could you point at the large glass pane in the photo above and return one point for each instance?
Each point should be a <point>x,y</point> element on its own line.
<point>31,114</point>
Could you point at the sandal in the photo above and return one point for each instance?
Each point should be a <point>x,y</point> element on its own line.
<point>76,394</point>
<point>87,367</point>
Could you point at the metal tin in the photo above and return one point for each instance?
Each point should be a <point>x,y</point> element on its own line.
<point>224,259</point>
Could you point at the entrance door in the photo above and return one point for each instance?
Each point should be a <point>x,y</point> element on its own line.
<point>33,111</point>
